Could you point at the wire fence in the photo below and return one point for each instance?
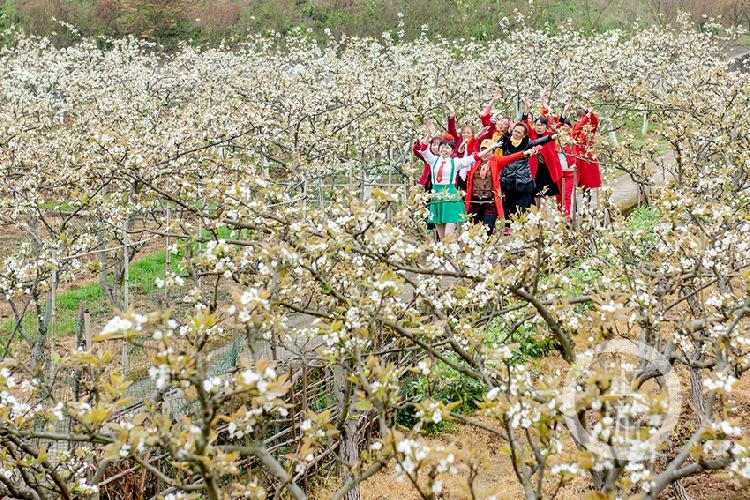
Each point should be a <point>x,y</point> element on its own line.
<point>312,382</point>
<point>313,388</point>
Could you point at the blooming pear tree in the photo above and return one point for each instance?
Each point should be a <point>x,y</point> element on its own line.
<point>104,151</point>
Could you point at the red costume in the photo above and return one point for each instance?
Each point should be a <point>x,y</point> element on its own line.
<point>416,150</point>
<point>472,145</point>
<point>583,133</point>
<point>497,163</point>
<point>568,175</point>
<point>548,152</point>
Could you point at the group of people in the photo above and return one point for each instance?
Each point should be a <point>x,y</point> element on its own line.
<point>506,166</point>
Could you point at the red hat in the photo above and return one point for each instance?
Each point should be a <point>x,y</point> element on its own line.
<point>447,137</point>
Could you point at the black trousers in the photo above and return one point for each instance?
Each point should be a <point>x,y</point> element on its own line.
<point>515,203</point>
<point>484,212</point>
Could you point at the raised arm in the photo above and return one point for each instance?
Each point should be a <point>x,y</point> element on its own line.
<point>452,130</point>
<point>594,120</point>
<point>429,130</point>
<point>486,115</point>
<point>464,164</point>
<point>485,133</point>
<point>500,162</point>
<point>424,143</point>
<point>585,129</point>
<point>503,161</point>
<point>546,112</point>
<point>543,140</point>
<point>417,149</point>
<point>564,112</point>
<point>526,106</point>
<point>428,156</point>
<point>526,112</point>
<point>483,155</point>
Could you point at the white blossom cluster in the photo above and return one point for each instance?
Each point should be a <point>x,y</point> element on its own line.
<point>240,146</point>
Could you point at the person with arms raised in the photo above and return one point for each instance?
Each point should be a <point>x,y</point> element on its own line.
<point>446,206</point>
<point>483,192</point>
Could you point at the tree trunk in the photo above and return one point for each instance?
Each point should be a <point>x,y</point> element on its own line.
<point>680,490</point>
<point>699,402</point>
<point>111,291</point>
<point>349,435</point>
<point>696,380</point>
<point>37,349</point>
<point>598,478</point>
<point>349,453</point>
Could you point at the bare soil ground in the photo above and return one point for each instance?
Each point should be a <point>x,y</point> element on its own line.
<point>498,478</point>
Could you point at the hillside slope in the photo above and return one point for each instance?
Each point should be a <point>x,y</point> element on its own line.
<point>170,21</point>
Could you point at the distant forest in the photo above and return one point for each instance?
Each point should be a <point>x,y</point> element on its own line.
<point>212,21</point>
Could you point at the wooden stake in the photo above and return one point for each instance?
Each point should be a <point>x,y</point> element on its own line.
<point>574,198</point>
<point>79,346</point>
<point>168,254</point>
<point>126,291</point>
<point>50,313</point>
<point>87,330</point>
<point>200,247</point>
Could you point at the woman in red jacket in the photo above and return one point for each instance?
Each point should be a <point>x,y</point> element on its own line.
<point>466,142</point>
<point>545,168</point>
<point>497,128</point>
<point>568,164</point>
<point>571,155</point>
<point>583,132</point>
<point>484,202</point>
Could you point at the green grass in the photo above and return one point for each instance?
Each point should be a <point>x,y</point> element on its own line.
<point>446,385</point>
<point>67,207</point>
<point>70,299</point>
<point>643,219</point>
<point>144,272</point>
<point>531,344</point>
<point>633,123</point>
<point>224,233</point>
<point>66,310</point>
<point>143,275</point>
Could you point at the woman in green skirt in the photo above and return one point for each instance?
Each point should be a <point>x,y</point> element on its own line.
<point>446,205</point>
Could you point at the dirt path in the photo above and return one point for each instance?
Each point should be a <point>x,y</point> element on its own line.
<point>627,195</point>
<point>497,477</point>
<point>739,54</point>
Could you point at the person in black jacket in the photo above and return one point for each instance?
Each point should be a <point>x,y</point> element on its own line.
<point>516,181</point>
